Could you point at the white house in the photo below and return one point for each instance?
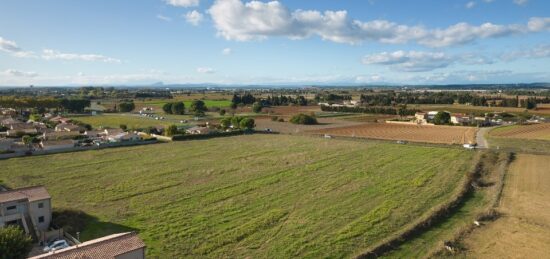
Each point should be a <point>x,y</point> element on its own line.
<point>458,118</point>
<point>28,207</point>
<point>68,127</point>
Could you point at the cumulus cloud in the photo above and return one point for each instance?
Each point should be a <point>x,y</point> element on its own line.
<point>521,2</point>
<point>182,3</point>
<point>49,54</point>
<point>470,4</point>
<point>164,18</point>
<point>255,20</point>
<point>227,51</point>
<point>12,48</point>
<point>205,70</point>
<point>18,73</point>
<point>194,17</point>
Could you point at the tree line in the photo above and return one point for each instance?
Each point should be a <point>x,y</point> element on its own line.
<point>402,111</point>
<point>43,103</point>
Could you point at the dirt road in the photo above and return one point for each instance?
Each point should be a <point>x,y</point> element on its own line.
<point>524,229</point>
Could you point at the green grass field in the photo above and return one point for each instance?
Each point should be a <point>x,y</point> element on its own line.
<point>253,196</point>
<point>115,120</point>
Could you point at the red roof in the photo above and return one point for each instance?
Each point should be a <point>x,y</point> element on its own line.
<point>106,247</point>
<point>33,193</point>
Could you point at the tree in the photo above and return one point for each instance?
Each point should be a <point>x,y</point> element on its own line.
<point>222,112</point>
<point>14,243</point>
<point>225,123</point>
<point>27,139</point>
<point>303,119</point>
<point>233,106</point>
<point>442,118</point>
<point>123,126</point>
<point>235,121</point>
<point>35,117</point>
<point>167,108</point>
<point>198,107</point>
<point>171,130</point>
<point>247,124</point>
<point>126,106</point>
<point>178,108</point>
<point>257,107</point>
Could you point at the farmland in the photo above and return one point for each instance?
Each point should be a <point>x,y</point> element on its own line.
<point>414,133</point>
<point>265,196</point>
<point>114,121</point>
<point>523,230</point>
<point>533,131</point>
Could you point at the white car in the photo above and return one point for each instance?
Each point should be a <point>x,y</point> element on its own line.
<point>59,244</point>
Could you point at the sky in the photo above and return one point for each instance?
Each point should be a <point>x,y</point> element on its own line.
<point>299,42</point>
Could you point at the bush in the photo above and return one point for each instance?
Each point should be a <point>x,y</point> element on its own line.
<point>178,108</point>
<point>167,108</point>
<point>257,107</point>
<point>303,119</point>
<point>281,120</point>
<point>274,118</point>
<point>222,112</point>
<point>247,124</point>
<point>14,243</point>
<point>171,130</point>
<point>123,126</point>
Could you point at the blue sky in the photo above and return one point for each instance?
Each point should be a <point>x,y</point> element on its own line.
<point>67,42</point>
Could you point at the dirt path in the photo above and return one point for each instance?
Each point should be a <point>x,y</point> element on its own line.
<point>480,137</point>
<point>524,229</point>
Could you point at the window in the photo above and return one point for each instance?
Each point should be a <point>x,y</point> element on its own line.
<point>11,207</point>
<point>41,219</point>
<point>40,205</point>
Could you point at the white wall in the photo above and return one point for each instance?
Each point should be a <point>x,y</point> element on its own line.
<point>45,211</point>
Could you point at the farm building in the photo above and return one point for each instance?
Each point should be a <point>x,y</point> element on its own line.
<point>68,127</point>
<point>458,118</point>
<point>117,246</point>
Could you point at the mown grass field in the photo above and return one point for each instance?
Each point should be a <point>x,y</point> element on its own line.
<point>255,196</point>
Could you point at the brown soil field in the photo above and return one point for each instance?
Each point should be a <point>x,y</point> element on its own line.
<point>523,231</point>
<point>289,128</point>
<point>468,108</point>
<point>533,131</point>
<point>413,133</point>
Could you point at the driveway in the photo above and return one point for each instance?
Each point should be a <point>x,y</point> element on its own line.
<point>480,137</point>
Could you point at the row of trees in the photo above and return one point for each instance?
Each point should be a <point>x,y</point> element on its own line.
<point>43,103</point>
<point>331,98</point>
<point>174,108</point>
<point>303,119</point>
<point>402,111</point>
<point>237,122</point>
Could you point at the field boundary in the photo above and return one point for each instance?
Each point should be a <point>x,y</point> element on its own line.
<point>489,214</point>
<point>428,219</point>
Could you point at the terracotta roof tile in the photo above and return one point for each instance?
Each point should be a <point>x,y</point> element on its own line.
<point>33,193</point>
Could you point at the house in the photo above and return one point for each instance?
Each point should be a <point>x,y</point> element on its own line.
<point>5,144</point>
<point>112,132</point>
<point>124,136</point>
<point>94,133</point>
<point>28,207</point>
<point>58,135</point>
<point>420,117</point>
<point>68,127</point>
<point>117,246</point>
<point>18,147</point>
<point>459,118</point>
<point>50,145</point>
<point>198,130</point>
<point>431,115</point>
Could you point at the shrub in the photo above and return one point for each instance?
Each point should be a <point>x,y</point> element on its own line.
<point>303,119</point>
<point>257,107</point>
<point>14,243</point>
<point>222,112</point>
<point>274,118</point>
<point>126,106</point>
<point>247,123</point>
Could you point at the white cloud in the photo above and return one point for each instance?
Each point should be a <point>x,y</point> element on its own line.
<point>18,73</point>
<point>255,20</point>
<point>164,18</point>
<point>205,70</point>
<point>227,51</point>
<point>521,2</point>
<point>194,17</point>
<point>410,61</point>
<point>470,4</point>
<point>541,51</point>
<point>12,48</point>
<point>182,3</point>
<point>49,54</point>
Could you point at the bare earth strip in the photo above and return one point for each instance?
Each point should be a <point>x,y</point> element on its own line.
<point>414,133</point>
<point>524,229</point>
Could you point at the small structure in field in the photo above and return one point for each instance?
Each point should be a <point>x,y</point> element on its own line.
<point>198,131</point>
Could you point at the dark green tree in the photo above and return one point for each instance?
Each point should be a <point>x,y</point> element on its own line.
<point>247,124</point>
<point>257,107</point>
<point>171,130</point>
<point>178,108</point>
<point>126,106</point>
<point>167,108</point>
<point>198,107</point>
<point>442,118</point>
<point>14,243</point>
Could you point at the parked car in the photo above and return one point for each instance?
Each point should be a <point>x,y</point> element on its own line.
<point>56,245</point>
<point>401,142</point>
